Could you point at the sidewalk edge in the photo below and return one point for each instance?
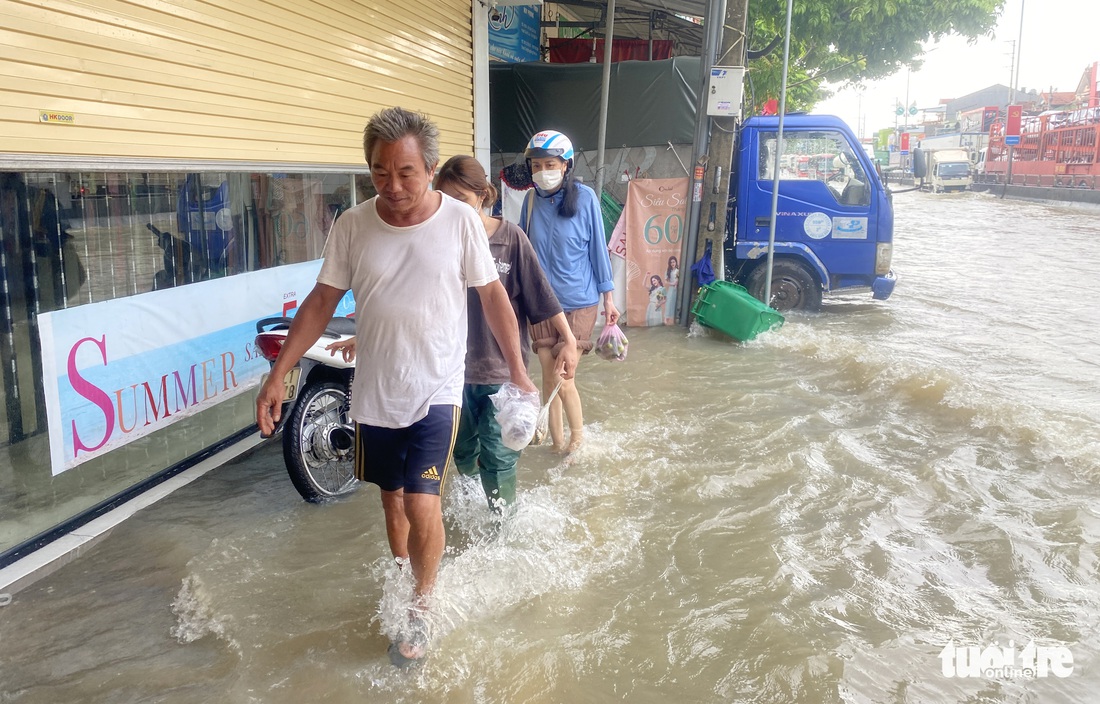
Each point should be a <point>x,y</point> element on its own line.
<point>55,555</point>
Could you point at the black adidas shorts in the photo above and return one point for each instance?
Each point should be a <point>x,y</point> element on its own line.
<point>413,458</point>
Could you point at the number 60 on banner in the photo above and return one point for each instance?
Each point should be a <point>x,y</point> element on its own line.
<point>671,232</point>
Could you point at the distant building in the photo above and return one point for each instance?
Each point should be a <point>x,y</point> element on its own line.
<point>965,122</point>
<point>997,95</point>
<point>1057,100</point>
<point>1088,88</point>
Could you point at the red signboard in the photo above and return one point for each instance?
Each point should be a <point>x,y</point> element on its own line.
<point>904,142</point>
<point>989,116</point>
<point>1012,123</point>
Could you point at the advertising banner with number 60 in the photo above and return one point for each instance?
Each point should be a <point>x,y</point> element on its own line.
<point>656,215</point>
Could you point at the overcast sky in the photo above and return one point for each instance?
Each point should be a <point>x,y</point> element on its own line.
<point>1060,38</point>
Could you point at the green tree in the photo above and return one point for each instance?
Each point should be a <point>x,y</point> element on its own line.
<point>850,41</point>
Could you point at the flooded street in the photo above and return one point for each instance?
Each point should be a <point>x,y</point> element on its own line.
<point>810,517</point>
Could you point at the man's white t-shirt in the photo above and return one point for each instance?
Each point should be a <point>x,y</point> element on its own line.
<point>410,287</point>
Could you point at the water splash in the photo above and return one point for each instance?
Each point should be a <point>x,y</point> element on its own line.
<point>196,616</point>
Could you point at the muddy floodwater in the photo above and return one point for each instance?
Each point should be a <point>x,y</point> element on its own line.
<point>841,511</point>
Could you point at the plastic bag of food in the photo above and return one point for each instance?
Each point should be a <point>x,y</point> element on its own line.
<point>517,413</point>
<point>611,345</point>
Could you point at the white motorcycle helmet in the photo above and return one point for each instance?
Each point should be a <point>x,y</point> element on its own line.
<point>549,143</point>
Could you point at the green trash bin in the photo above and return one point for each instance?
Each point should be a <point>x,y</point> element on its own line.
<point>730,308</point>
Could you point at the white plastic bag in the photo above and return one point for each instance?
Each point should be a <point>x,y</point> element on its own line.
<point>517,413</point>
<point>543,423</point>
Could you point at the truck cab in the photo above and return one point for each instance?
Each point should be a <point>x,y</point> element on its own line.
<point>834,223</point>
<point>942,170</point>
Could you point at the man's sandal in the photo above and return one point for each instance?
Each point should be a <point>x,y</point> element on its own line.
<point>417,639</point>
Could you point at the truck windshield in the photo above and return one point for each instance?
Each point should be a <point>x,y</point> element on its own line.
<point>954,170</point>
<point>817,155</point>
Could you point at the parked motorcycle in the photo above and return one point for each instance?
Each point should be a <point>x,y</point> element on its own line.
<point>318,437</point>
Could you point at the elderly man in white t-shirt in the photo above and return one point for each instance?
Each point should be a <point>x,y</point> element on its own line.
<point>408,255</point>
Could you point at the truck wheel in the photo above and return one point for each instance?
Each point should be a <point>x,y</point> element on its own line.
<point>794,287</point>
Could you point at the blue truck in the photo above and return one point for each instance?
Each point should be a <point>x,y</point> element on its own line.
<point>834,220</point>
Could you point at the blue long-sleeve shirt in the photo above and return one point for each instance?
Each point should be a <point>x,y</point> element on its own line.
<point>572,251</point>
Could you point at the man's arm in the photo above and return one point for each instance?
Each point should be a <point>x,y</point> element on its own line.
<point>308,324</point>
<point>538,298</point>
<point>502,322</point>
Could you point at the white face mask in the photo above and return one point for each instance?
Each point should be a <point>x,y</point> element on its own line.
<point>548,180</point>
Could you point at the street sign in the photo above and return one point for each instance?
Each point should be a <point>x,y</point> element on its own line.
<point>904,142</point>
<point>900,110</point>
<point>912,109</point>
<point>1012,139</point>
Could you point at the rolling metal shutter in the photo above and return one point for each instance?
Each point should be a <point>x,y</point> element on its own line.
<point>249,80</point>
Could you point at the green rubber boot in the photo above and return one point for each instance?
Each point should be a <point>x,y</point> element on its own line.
<point>500,488</point>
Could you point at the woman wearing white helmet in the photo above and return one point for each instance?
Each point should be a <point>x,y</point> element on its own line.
<point>564,223</point>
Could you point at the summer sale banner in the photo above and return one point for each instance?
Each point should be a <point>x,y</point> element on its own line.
<point>118,370</point>
<point>655,218</point>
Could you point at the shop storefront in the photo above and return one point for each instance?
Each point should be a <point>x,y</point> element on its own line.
<point>156,161</point>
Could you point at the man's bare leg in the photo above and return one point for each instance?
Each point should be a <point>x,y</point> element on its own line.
<point>425,539</point>
<point>397,524</point>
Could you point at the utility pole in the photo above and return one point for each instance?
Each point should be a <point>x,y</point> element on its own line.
<point>700,146</point>
<point>907,72</point>
<point>608,40</point>
<point>859,116</point>
<point>908,159</point>
<point>716,183</point>
<point>1012,93</point>
<point>1012,73</point>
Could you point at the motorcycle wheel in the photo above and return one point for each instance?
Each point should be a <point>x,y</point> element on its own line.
<point>318,443</point>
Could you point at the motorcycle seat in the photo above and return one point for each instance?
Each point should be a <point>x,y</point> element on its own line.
<point>338,327</point>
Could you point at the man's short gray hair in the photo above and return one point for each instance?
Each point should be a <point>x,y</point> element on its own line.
<point>394,124</point>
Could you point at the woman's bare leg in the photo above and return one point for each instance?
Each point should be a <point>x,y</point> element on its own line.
<point>571,401</point>
<point>549,381</point>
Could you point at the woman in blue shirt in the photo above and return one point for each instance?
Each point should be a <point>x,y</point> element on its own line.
<point>563,221</point>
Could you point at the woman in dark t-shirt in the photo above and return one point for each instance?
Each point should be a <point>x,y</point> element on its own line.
<point>479,449</point>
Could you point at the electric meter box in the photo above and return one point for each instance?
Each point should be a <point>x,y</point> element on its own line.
<point>724,91</point>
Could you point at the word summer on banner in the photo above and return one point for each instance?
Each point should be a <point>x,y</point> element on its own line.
<point>118,370</point>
